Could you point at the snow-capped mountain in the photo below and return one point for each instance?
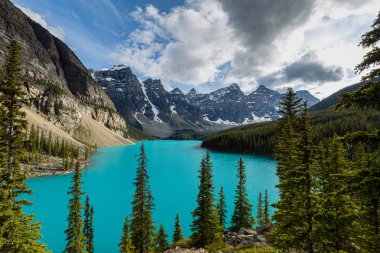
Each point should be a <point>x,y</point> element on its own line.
<point>150,107</point>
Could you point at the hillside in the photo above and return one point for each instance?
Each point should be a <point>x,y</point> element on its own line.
<point>65,98</point>
<point>259,138</point>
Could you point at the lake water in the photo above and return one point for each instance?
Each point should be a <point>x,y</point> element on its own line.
<point>173,168</point>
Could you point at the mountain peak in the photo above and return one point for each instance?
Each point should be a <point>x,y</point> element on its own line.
<point>234,86</point>
<point>192,92</point>
<point>176,91</point>
<point>119,67</point>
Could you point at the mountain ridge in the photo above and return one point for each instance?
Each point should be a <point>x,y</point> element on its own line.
<point>59,86</point>
<point>148,105</point>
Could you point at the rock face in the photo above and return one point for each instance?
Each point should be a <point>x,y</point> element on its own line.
<point>59,85</point>
<point>150,107</point>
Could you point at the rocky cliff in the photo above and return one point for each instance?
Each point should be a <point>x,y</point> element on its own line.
<point>60,87</point>
<point>148,106</point>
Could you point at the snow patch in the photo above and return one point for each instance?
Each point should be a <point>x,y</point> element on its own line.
<point>154,108</point>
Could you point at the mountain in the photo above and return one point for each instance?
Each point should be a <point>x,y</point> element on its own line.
<point>149,106</point>
<point>333,99</point>
<point>64,95</point>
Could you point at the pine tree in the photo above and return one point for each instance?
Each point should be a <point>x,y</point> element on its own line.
<point>222,209</point>
<point>50,144</point>
<point>75,239</point>
<point>142,228</point>
<point>266,216</point>
<point>126,245</point>
<point>161,241</point>
<point>18,232</point>
<point>205,226</point>
<point>364,182</point>
<point>367,96</point>
<point>293,151</point>
<point>260,212</point>
<point>242,215</point>
<point>177,235</point>
<point>88,228</point>
<point>336,213</point>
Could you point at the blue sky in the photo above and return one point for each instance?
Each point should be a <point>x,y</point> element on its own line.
<point>210,44</point>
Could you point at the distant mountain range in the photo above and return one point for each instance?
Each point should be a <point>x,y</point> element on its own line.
<point>159,112</point>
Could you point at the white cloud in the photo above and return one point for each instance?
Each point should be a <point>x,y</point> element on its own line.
<point>190,43</point>
<point>57,31</point>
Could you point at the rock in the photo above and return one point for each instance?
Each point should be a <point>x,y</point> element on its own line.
<point>57,82</point>
<point>265,228</point>
<point>183,250</point>
<point>245,231</point>
<point>261,238</point>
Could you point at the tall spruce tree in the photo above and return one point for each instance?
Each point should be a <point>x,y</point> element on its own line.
<point>266,216</point>
<point>367,96</point>
<point>222,209</point>
<point>75,239</point>
<point>336,212</point>
<point>142,227</point>
<point>160,240</point>
<point>242,214</point>
<point>18,232</point>
<point>88,228</point>
<point>205,226</point>
<point>293,152</point>
<point>260,211</point>
<point>126,245</point>
<point>177,235</point>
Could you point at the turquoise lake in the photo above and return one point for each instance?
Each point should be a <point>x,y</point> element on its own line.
<point>173,168</point>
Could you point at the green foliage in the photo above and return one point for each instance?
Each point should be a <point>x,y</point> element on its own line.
<point>142,228</point>
<point>126,245</point>
<point>260,137</point>
<point>294,152</point>
<point>18,232</point>
<point>221,208</point>
<point>205,226</point>
<point>88,228</point>
<point>336,211</point>
<point>266,216</point>
<point>242,214</point>
<point>177,235</point>
<point>260,212</point>
<point>367,96</point>
<point>160,241</point>
<point>75,239</point>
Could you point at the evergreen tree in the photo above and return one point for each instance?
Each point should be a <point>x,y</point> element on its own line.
<point>222,209</point>
<point>364,182</point>
<point>336,213</point>
<point>242,215</point>
<point>75,239</point>
<point>126,245</point>
<point>161,241</point>
<point>18,232</point>
<point>177,235</point>
<point>50,144</point>
<point>88,228</point>
<point>266,216</point>
<point>142,228</point>
<point>260,212</point>
<point>205,225</point>
<point>367,96</point>
<point>295,210</point>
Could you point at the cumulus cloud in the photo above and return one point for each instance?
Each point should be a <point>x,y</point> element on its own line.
<point>260,24</point>
<point>187,45</point>
<point>57,31</point>
<point>217,42</point>
<point>308,69</point>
